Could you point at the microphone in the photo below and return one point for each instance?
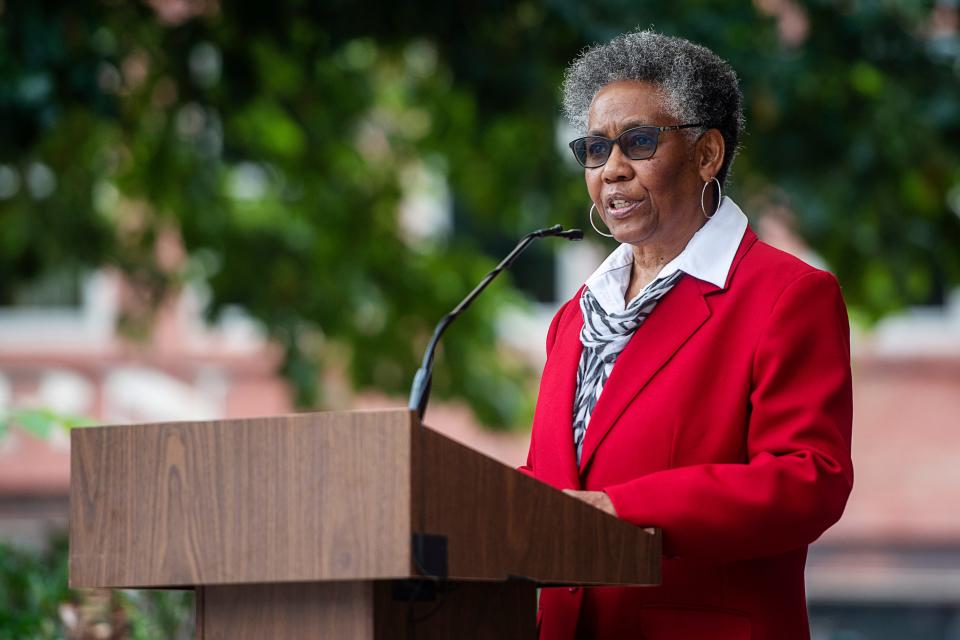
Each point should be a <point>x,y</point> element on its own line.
<point>420,389</point>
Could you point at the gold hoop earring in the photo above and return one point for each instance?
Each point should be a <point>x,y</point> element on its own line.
<point>606,235</point>
<point>719,197</point>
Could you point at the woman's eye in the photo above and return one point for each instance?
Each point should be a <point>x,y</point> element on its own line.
<point>597,148</point>
<point>639,140</point>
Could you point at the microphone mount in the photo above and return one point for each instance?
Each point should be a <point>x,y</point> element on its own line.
<point>420,389</point>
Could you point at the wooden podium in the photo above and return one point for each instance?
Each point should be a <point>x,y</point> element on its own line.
<point>323,525</point>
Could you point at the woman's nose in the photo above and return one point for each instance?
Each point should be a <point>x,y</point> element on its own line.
<point>618,167</point>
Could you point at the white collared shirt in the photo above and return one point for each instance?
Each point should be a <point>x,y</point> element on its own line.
<point>707,256</point>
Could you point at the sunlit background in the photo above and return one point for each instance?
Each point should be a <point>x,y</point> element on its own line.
<point>220,210</point>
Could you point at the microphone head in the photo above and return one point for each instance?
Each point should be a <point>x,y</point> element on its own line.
<point>555,230</point>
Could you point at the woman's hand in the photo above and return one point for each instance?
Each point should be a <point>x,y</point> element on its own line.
<point>597,499</point>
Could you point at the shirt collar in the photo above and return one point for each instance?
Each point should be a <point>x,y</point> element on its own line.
<point>707,256</point>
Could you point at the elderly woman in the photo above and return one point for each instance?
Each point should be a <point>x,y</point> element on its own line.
<point>700,380</point>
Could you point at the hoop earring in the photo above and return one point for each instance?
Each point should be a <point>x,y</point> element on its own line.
<point>703,193</point>
<point>606,235</point>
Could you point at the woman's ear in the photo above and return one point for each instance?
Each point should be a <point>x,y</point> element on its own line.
<point>709,154</point>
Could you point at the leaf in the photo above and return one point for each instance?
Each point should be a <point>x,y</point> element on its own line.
<point>37,422</point>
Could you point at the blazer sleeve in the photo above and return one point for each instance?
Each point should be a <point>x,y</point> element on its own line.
<point>551,338</point>
<point>798,474</point>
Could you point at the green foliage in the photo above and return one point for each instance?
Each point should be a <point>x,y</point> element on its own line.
<point>280,140</point>
<point>32,586</point>
<point>35,602</point>
<point>40,423</point>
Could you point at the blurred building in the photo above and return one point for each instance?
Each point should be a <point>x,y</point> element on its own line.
<point>72,359</point>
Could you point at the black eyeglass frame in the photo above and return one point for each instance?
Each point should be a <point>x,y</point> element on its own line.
<point>619,140</point>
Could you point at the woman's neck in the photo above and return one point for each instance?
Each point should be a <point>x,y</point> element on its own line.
<point>650,258</point>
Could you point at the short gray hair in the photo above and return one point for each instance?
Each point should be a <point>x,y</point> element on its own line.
<point>698,84</point>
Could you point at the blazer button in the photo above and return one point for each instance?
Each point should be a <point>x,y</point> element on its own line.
<point>573,589</point>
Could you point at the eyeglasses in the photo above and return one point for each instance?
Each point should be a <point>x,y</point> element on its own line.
<point>638,143</point>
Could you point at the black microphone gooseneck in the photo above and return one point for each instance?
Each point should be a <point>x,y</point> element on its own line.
<point>420,389</point>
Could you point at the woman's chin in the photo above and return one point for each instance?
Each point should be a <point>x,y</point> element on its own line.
<point>632,233</point>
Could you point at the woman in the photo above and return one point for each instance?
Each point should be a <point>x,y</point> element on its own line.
<point>700,380</point>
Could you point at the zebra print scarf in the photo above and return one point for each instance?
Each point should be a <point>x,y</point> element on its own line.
<point>604,336</point>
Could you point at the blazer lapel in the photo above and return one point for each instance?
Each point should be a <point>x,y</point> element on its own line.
<point>675,318</point>
<point>559,385</point>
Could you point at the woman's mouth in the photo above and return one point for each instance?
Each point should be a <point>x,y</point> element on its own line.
<point>621,207</point>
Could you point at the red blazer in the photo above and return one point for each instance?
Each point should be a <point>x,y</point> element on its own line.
<point>726,422</point>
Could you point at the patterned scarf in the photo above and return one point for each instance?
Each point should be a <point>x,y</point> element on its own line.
<point>604,336</point>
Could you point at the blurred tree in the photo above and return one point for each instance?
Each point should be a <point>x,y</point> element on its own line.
<point>37,603</point>
<point>287,143</point>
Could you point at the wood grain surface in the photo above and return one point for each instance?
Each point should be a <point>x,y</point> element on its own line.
<point>365,611</point>
<point>501,523</point>
<point>482,610</point>
<point>286,611</point>
<point>319,496</point>
<point>324,496</point>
